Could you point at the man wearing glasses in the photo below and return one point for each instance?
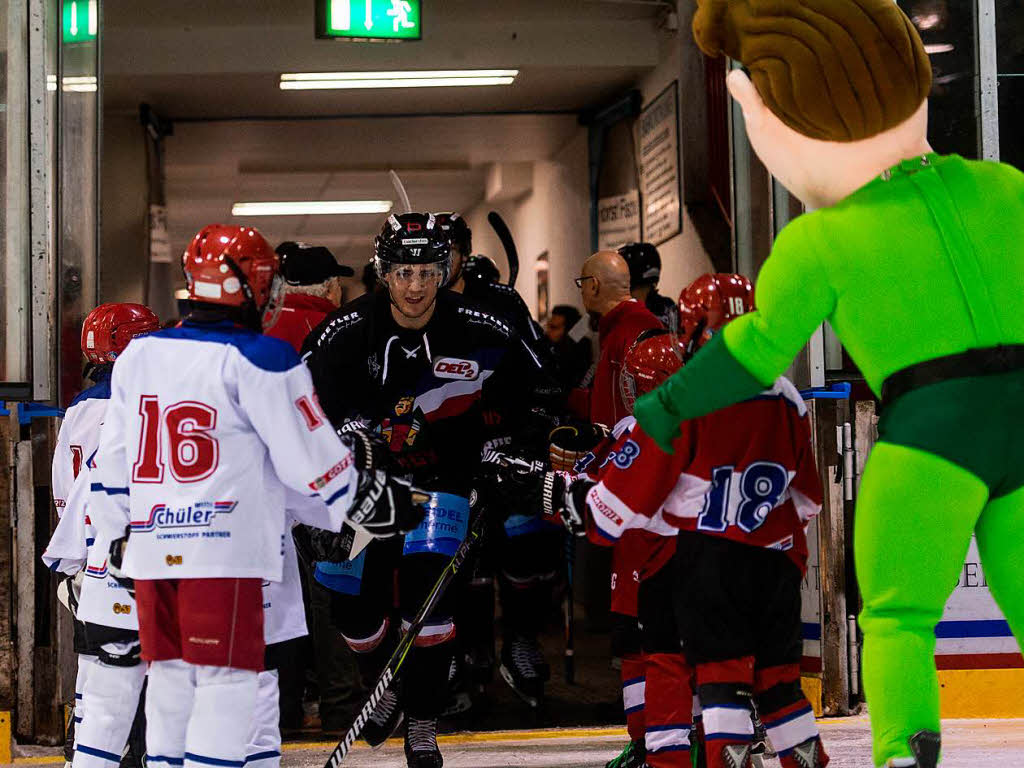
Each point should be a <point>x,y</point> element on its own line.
<point>604,287</point>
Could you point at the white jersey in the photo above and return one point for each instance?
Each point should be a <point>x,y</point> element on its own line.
<point>74,545</point>
<point>208,425</point>
<point>77,439</point>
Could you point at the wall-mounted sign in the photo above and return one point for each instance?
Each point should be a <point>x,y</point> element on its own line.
<point>369,19</point>
<point>618,220</point>
<point>79,21</point>
<point>658,153</point>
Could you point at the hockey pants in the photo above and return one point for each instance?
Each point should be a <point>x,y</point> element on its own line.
<point>110,702</point>
<point>367,623</point>
<point>264,749</point>
<point>915,516</point>
<point>198,715</point>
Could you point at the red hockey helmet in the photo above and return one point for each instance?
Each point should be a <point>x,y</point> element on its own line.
<point>708,303</point>
<point>654,356</point>
<point>108,329</point>
<point>231,266</point>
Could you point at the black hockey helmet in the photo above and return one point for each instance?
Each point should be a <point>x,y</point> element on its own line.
<point>644,263</point>
<point>458,231</point>
<point>482,268</point>
<point>412,238</point>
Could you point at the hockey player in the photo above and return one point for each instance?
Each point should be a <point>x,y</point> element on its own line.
<point>644,273</point>
<point>740,486</point>
<point>110,673</point>
<point>442,380</point>
<point>209,424</point>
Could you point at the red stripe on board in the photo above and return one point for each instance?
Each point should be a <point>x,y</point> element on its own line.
<point>980,661</point>
<point>810,664</point>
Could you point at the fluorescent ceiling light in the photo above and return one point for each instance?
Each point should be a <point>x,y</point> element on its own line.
<point>82,84</point>
<point>310,207</point>
<point>302,81</point>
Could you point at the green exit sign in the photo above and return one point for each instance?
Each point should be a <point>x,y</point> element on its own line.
<point>80,21</point>
<point>369,19</point>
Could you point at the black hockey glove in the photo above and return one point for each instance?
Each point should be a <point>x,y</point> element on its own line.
<point>523,484</point>
<point>69,590</point>
<point>574,515</point>
<point>383,504</point>
<point>115,561</point>
<point>571,442</point>
<point>330,546</point>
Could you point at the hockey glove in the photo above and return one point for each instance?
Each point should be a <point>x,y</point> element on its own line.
<point>330,546</point>
<point>570,443</point>
<point>383,505</point>
<point>115,561</point>
<point>69,591</point>
<point>574,515</point>
<point>525,484</point>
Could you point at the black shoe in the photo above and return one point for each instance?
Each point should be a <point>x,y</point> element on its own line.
<point>926,746</point>
<point>421,744</point>
<point>518,670</point>
<point>385,718</point>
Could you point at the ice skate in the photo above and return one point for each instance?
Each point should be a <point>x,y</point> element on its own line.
<point>421,744</point>
<point>633,756</point>
<point>518,670</point>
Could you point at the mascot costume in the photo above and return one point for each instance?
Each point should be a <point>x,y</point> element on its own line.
<point>917,261</point>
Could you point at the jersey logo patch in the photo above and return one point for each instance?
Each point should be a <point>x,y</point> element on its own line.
<point>626,455</point>
<point>454,368</point>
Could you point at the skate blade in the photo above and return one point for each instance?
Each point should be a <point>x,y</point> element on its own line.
<point>507,677</point>
<point>462,703</point>
<point>398,724</point>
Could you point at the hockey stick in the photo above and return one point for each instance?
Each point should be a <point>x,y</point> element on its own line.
<point>403,196</point>
<point>405,645</point>
<point>570,613</point>
<point>501,230</point>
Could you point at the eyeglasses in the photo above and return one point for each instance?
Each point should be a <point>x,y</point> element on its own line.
<point>581,280</point>
<point>406,275</point>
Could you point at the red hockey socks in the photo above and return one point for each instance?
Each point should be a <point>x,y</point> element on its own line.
<point>788,717</point>
<point>669,705</point>
<point>725,689</point>
<point>633,698</point>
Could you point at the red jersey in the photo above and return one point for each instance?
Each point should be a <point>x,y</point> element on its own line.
<point>638,554</point>
<point>745,473</point>
<point>300,314</point>
<point>617,332</point>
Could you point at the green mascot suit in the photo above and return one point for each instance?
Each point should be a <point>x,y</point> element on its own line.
<point>917,261</point>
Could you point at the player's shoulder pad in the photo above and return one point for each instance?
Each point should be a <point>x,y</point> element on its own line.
<point>623,427</point>
<point>353,314</point>
<point>264,352</point>
<point>473,316</point>
<point>98,391</point>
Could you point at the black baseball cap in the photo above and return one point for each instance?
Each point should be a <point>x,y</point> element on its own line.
<point>303,264</point>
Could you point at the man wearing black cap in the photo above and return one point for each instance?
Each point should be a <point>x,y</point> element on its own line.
<point>644,263</point>
<point>314,290</point>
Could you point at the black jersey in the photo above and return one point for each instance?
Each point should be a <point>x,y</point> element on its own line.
<point>663,308</point>
<point>505,302</point>
<point>440,394</point>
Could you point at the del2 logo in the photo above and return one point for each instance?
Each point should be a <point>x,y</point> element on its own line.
<point>454,368</point>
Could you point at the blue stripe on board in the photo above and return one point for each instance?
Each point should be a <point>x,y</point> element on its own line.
<point>981,628</point>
